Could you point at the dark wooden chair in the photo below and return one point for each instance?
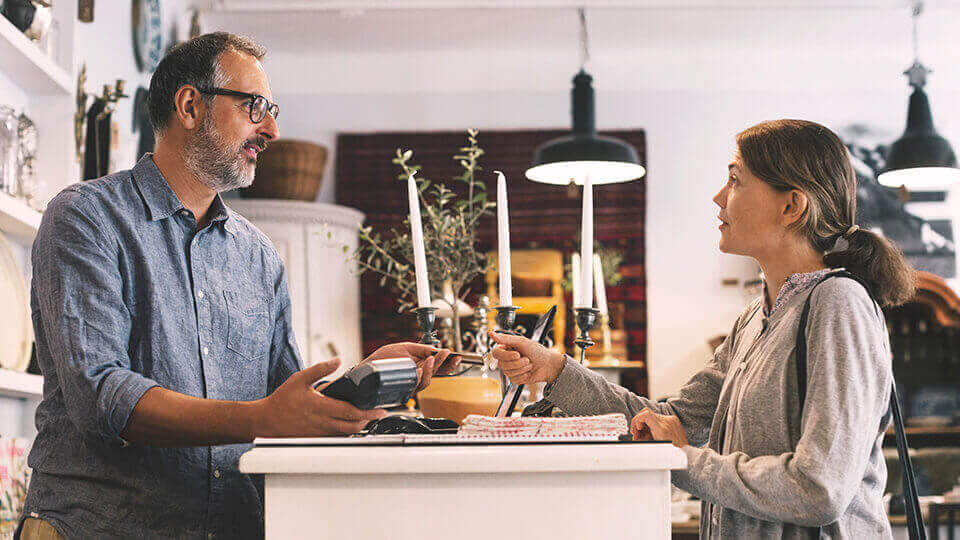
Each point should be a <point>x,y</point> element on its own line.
<point>947,514</point>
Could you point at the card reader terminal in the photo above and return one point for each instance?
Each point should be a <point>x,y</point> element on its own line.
<point>375,384</point>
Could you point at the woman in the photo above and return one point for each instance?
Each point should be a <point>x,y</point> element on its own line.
<point>764,466</point>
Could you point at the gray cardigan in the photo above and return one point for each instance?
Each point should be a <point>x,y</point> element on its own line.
<point>763,467</point>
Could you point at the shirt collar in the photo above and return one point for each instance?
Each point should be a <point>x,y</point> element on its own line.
<point>222,212</point>
<point>794,285</point>
<point>162,202</point>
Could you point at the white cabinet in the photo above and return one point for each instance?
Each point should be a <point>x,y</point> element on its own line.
<point>316,241</point>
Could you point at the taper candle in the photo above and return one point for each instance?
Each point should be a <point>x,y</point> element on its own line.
<point>503,242</point>
<point>416,236</point>
<point>586,246</point>
<point>575,268</point>
<point>599,284</point>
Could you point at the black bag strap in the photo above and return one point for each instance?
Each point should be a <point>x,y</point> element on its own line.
<point>911,499</point>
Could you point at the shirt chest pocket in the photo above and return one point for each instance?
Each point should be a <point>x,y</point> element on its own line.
<point>248,324</point>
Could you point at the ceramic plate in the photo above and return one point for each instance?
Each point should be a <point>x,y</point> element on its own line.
<point>16,332</point>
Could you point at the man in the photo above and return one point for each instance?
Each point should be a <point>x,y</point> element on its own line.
<point>163,325</point>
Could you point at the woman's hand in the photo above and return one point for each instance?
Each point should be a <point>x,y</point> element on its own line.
<point>648,425</point>
<point>525,361</point>
<point>430,360</point>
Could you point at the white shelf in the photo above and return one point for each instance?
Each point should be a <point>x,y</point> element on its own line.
<point>20,385</point>
<point>17,219</point>
<point>24,62</point>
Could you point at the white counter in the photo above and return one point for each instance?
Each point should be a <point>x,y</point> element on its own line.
<point>477,492</point>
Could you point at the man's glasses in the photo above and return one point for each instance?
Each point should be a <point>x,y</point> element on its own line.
<point>259,106</point>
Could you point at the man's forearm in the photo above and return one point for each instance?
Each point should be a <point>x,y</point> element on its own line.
<point>166,418</point>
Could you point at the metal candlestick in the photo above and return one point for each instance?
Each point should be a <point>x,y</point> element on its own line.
<point>507,318</point>
<point>507,321</point>
<point>586,320</point>
<point>426,317</point>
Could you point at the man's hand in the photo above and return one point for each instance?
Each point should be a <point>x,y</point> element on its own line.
<point>430,360</point>
<point>295,409</point>
<point>525,361</point>
<point>648,425</point>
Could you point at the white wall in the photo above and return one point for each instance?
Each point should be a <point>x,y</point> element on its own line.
<point>691,78</point>
<point>106,46</point>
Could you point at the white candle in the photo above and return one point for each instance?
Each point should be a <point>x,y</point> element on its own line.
<point>503,242</point>
<point>586,246</point>
<point>575,270</point>
<point>599,284</point>
<point>416,235</point>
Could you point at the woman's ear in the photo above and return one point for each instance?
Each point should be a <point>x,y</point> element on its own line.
<point>188,107</point>
<point>795,207</point>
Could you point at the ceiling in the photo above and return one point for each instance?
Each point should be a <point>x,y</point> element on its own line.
<point>708,42</point>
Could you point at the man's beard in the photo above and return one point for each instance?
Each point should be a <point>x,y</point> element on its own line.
<point>214,163</point>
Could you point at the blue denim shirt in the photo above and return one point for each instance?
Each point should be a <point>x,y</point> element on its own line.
<point>127,295</point>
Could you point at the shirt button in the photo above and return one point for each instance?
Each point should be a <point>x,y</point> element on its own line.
<point>206,351</point>
<point>216,473</point>
<point>200,295</point>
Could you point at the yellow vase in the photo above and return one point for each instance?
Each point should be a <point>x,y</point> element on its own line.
<point>456,397</point>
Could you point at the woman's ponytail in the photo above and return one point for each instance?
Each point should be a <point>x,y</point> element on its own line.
<point>879,263</point>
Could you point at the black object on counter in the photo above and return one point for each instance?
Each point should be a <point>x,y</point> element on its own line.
<point>20,13</point>
<point>380,383</point>
<point>399,423</point>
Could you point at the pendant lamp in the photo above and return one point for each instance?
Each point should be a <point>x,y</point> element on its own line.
<point>571,158</point>
<point>920,159</point>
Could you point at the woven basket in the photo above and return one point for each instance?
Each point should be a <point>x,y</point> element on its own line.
<point>288,169</point>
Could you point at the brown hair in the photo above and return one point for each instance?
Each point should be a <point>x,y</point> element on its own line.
<point>796,154</point>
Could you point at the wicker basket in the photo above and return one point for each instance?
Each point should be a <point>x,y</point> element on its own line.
<point>288,169</point>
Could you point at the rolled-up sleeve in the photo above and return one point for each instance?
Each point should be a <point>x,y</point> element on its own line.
<point>284,353</point>
<point>87,325</point>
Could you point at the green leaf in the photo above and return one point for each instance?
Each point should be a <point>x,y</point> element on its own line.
<point>407,155</point>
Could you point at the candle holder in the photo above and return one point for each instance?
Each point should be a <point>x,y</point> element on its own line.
<point>507,321</point>
<point>586,320</point>
<point>426,318</point>
<point>507,318</point>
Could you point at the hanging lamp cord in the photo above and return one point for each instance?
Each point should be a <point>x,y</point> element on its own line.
<point>584,39</point>
<point>917,10</point>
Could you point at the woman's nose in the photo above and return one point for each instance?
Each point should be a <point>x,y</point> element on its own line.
<point>719,198</point>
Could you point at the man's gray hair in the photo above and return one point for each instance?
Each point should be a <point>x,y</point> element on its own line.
<point>197,63</point>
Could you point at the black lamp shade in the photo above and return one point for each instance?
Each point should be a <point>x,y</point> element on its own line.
<point>584,153</point>
<point>920,158</point>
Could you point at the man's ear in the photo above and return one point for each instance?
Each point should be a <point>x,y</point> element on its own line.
<point>794,208</point>
<point>189,108</point>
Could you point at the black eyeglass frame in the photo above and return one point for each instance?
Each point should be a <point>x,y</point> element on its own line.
<point>272,108</point>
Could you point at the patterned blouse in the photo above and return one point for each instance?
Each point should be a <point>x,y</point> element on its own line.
<point>795,284</point>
